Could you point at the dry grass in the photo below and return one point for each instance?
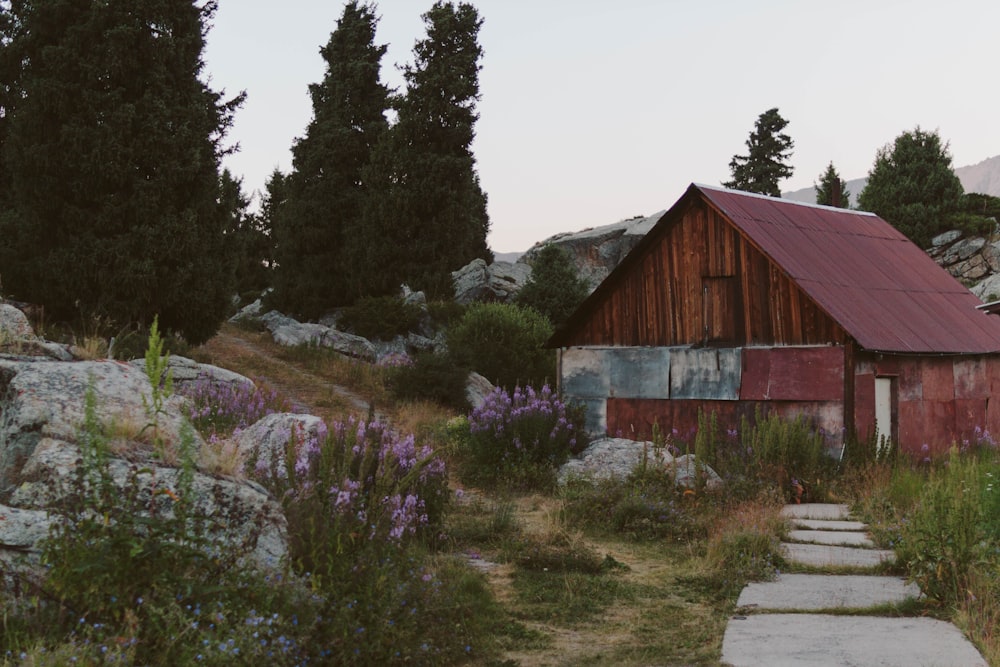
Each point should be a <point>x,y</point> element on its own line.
<point>658,605</point>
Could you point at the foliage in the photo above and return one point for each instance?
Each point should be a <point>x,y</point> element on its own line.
<point>356,502</point>
<point>768,151</point>
<point>520,438</point>
<point>161,383</point>
<point>945,537</point>
<point>381,317</point>
<point>425,211</point>
<point>786,452</point>
<point>133,563</point>
<point>831,183</point>
<point>746,543</point>
<point>220,409</point>
<point>503,343</point>
<point>913,187</point>
<point>322,197</point>
<point>646,505</point>
<point>249,236</point>
<point>430,376</point>
<point>111,150</point>
<point>555,288</point>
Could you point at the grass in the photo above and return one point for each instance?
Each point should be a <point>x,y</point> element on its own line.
<point>628,573</point>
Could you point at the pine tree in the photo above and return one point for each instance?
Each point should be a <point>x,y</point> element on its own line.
<point>913,186</point>
<point>831,186</point>
<point>766,162</point>
<point>322,196</point>
<point>426,213</point>
<point>249,239</point>
<point>112,151</point>
<point>555,288</point>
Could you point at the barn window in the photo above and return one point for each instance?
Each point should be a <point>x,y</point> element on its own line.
<point>720,309</point>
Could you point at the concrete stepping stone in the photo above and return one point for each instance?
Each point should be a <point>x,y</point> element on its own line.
<point>822,555</point>
<point>819,524</point>
<point>819,640</point>
<point>812,592</point>
<point>828,511</point>
<point>834,537</point>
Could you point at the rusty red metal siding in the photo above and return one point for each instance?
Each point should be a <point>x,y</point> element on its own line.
<point>634,418</point>
<point>793,374</point>
<point>864,404</point>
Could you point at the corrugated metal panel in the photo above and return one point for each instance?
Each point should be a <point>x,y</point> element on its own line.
<point>793,374</point>
<point>884,290</point>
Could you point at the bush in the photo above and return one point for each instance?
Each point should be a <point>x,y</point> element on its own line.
<point>430,376</point>
<point>521,438</point>
<point>504,344</point>
<point>219,409</point>
<point>381,317</point>
<point>945,537</point>
<point>785,451</point>
<point>555,288</point>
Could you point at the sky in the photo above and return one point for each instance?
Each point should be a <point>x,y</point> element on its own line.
<point>594,111</point>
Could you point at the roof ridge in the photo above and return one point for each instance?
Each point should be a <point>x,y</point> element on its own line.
<point>756,195</point>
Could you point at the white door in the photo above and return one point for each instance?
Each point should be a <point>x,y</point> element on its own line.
<point>883,412</point>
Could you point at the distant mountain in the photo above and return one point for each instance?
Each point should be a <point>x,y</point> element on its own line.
<point>983,178</point>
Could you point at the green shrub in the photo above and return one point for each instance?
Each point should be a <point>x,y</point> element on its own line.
<point>782,452</point>
<point>503,343</point>
<point>520,438</point>
<point>430,376</point>
<point>945,536</point>
<point>647,505</point>
<point>555,288</point>
<point>381,317</point>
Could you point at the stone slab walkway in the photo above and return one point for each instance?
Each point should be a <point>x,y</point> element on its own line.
<point>756,638</point>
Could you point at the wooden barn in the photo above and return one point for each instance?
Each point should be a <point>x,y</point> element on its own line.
<point>735,301</point>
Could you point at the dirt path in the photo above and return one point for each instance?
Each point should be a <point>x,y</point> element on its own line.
<point>252,354</point>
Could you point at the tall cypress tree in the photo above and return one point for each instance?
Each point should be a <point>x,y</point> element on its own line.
<point>426,213</point>
<point>322,195</point>
<point>768,151</point>
<point>112,152</point>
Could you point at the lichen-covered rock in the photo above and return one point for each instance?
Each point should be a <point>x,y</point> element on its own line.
<point>14,325</point>
<point>268,439</point>
<point>45,399</point>
<point>188,372</point>
<point>477,389</point>
<point>687,471</point>
<point>613,457</point>
<point>42,412</point>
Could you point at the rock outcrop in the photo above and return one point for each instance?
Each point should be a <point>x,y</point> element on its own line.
<point>595,252</point>
<point>499,281</point>
<point>290,332</point>
<point>973,260</point>
<point>42,412</point>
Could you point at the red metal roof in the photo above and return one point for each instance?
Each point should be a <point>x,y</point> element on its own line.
<point>886,292</point>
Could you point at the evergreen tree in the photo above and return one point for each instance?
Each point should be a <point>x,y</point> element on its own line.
<point>831,183</point>
<point>248,237</point>
<point>766,162</point>
<point>322,196</point>
<point>555,288</point>
<point>913,186</point>
<point>426,213</point>
<point>111,157</point>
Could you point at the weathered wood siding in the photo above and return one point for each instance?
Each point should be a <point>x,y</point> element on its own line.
<point>704,283</point>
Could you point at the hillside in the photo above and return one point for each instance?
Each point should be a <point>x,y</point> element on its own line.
<point>983,177</point>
